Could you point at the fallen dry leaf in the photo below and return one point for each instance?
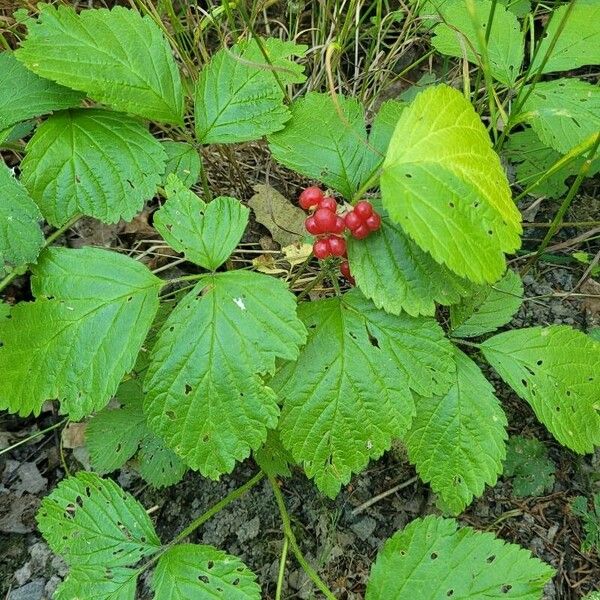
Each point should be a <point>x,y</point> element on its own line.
<point>73,435</point>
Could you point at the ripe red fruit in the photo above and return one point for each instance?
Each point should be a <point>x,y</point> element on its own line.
<point>321,249</point>
<point>345,269</point>
<point>361,232</point>
<point>310,197</point>
<point>325,220</point>
<point>352,221</point>
<point>329,203</point>
<point>337,245</point>
<point>339,225</point>
<point>311,226</point>
<point>373,222</point>
<point>363,209</point>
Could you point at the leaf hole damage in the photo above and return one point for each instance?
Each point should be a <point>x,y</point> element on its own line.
<point>433,556</point>
<point>204,579</point>
<point>188,389</point>
<point>506,588</point>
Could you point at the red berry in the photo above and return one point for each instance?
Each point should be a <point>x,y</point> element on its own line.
<point>325,220</point>
<point>311,226</point>
<point>310,197</point>
<point>329,203</point>
<point>361,232</point>
<point>337,246</point>
<point>363,209</point>
<point>321,249</point>
<point>352,221</point>
<point>345,269</point>
<point>339,225</point>
<point>373,222</point>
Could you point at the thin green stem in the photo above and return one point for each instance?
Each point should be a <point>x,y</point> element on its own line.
<point>289,534</point>
<point>193,277</point>
<point>465,343</point>
<point>280,575</point>
<point>369,183</point>
<point>318,279</point>
<point>32,437</point>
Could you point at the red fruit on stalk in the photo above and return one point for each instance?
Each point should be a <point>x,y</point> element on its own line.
<point>311,226</point>
<point>373,222</point>
<point>310,197</point>
<point>328,203</point>
<point>345,269</point>
<point>361,232</point>
<point>337,246</point>
<point>363,209</point>
<point>352,221</point>
<point>339,225</point>
<point>321,249</point>
<point>325,220</point>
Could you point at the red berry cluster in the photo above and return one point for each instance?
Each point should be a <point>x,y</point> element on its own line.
<point>362,220</point>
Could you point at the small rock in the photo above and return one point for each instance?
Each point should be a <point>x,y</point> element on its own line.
<point>60,566</point>
<point>51,586</point>
<point>40,553</point>
<point>364,528</point>
<point>23,575</point>
<point>31,591</point>
<point>249,530</point>
<point>30,480</point>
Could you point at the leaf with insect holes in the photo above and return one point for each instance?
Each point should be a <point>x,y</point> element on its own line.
<point>434,558</point>
<point>99,163</point>
<point>159,465</point>
<point>182,161</point>
<point>24,95</point>
<point>528,464</point>
<point>92,521</point>
<point>563,112</point>
<point>194,571</point>
<point>206,233</point>
<point>349,394</point>
<point>117,56</point>
<point>488,308</point>
<point>555,370</point>
<point>20,234</point>
<point>464,34</point>
<point>92,311</point>
<point>457,441</point>
<point>392,271</point>
<point>578,41</point>
<point>240,94</point>
<point>204,392</point>
<point>99,583</point>
<point>445,186</point>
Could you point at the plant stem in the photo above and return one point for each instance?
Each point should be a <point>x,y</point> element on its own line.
<point>281,573</point>
<point>33,436</point>
<point>192,277</point>
<point>318,279</point>
<point>289,534</point>
<point>369,183</point>
<point>465,343</point>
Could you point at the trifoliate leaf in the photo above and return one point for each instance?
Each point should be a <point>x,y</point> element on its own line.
<point>238,97</point>
<point>349,394</point>
<point>433,558</point>
<point>24,95</point>
<point>444,185</point>
<point>182,161</point>
<point>20,234</point>
<point>116,56</point>
<point>563,112</point>
<point>463,34</point>
<point>326,139</point>
<point>92,521</point>
<point>457,441</point>
<point>578,41</point>
<point>555,370</point>
<point>392,271</point>
<point>205,395</point>
<point>206,233</point>
<point>95,162</point>
<point>159,466</point>
<point>528,464</point>
<point>488,308</point>
<point>192,571</point>
<point>81,335</point>
<point>98,583</point>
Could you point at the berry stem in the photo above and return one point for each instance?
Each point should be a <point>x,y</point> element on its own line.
<point>369,183</point>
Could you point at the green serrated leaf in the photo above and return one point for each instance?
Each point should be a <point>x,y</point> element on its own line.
<point>349,394</point>
<point>563,112</point>
<point>432,558</point>
<point>445,186</point>
<point>206,233</point>
<point>273,458</point>
<point>20,234</point>
<point>159,466</point>
<point>488,308</point>
<point>238,97</point>
<point>434,11</point>
<point>578,41</point>
<point>205,395</point>
<point>462,34</point>
<point>528,464</point>
<point>457,441</point>
<point>92,311</point>
<point>16,132</point>
<point>96,582</point>
<point>384,124</point>
<point>99,163</point>
<point>92,521</point>
<point>192,571</point>
<point>392,271</point>
<point>24,95</point>
<point>555,370</point>
<point>591,521</point>
<point>182,161</point>
<point>116,56</point>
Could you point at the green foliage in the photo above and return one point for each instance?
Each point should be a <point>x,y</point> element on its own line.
<point>92,311</point>
<point>99,583</point>
<point>433,558</point>
<point>182,161</point>
<point>444,185</point>
<point>457,441</point>
<point>555,370</point>
<point>116,56</point>
<point>488,307</point>
<point>239,95</point>
<point>591,521</point>
<point>528,464</point>
<point>206,233</point>
<point>158,464</point>
<point>94,162</point>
